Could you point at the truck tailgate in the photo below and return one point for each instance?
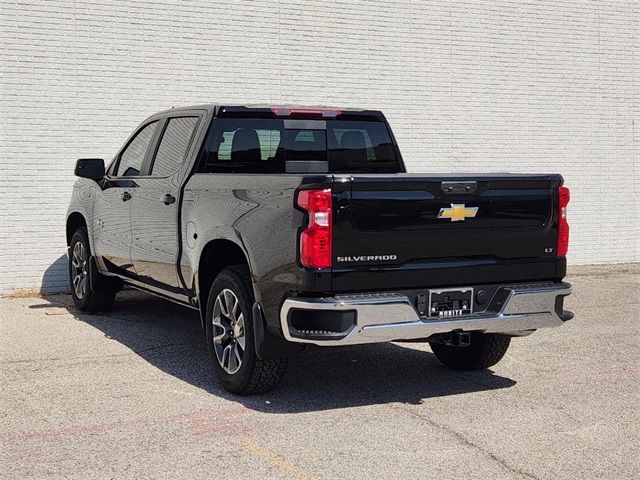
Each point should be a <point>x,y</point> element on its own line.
<point>409,230</point>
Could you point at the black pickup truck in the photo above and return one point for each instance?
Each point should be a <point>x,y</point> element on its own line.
<point>287,226</point>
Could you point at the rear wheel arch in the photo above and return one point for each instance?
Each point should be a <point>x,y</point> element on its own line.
<point>231,339</point>
<point>215,257</point>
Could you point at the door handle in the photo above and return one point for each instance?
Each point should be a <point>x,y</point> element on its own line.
<point>168,199</point>
<point>125,196</point>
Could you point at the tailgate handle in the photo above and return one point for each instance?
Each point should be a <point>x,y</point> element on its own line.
<point>458,187</point>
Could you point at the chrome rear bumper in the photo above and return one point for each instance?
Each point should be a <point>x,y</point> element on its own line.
<point>387,317</point>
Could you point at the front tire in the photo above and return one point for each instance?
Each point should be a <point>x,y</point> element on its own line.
<point>485,350</point>
<point>86,298</point>
<point>230,336</point>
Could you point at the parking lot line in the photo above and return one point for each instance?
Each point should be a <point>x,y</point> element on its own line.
<point>274,458</point>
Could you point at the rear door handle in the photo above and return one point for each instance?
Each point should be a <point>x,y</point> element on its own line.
<point>168,199</point>
<point>125,196</point>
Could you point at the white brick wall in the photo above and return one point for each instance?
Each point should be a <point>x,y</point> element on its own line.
<point>468,86</point>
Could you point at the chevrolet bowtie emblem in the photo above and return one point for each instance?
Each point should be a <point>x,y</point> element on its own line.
<point>458,212</point>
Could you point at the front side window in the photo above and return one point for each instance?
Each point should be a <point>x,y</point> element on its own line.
<point>173,147</point>
<point>133,155</point>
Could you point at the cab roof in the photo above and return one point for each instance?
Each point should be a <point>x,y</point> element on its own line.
<point>279,111</point>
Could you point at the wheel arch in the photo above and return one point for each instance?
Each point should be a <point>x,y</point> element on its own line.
<point>216,255</point>
<point>75,220</point>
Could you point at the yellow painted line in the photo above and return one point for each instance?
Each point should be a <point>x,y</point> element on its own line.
<point>57,311</point>
<point>278,460</point>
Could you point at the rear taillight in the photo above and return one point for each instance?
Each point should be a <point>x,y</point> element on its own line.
<point>563,225</point>
<point>315,239</point>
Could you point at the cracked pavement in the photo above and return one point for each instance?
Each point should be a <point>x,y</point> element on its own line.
<point>129,394</point>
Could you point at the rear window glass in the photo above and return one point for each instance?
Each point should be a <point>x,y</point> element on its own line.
<point>360,147</point>
<point>246,145</point>
<point>305,145</point>
<point>268,140</point>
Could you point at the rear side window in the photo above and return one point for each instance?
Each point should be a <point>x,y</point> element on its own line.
<point>132,157</point>
<point>259,145</point>
<point>173,147</point>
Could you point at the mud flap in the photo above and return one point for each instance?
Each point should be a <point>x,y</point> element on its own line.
<point>95,275</point>
<point>267,345</point>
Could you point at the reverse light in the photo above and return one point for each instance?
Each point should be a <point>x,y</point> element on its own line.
<point>563,225</point>
<point>305,112</point>
<point>315,239</point>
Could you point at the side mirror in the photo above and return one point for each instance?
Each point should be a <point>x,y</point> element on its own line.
<point>92,168</point>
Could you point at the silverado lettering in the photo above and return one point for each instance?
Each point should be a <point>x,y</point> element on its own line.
<point>367,258</point>
<point>257,217</point>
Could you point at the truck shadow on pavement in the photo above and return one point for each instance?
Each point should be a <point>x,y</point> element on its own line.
<point>170,338</point>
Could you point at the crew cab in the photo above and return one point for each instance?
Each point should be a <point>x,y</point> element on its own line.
<point>293,226</point>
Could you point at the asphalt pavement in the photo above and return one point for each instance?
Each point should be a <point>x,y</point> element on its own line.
<point>130,394</point>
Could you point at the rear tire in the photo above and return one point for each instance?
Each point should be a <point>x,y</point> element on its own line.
<point>230,336</point>
<point>85,298</point>
<point>485,350</point>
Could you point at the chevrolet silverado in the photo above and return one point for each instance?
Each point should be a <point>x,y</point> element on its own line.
<point>287,226</point>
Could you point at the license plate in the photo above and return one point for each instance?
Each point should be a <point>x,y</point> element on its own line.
<point>450,302</point>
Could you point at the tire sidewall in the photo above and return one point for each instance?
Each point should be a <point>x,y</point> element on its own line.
<point>79,237</point>
<point>486,350</point>
<point>230,279</point>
